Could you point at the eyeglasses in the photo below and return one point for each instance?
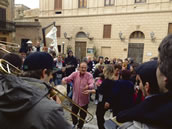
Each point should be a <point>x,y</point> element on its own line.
<point>83,67</point>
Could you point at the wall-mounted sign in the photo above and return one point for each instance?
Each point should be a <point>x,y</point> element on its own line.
<point>149,54</point>
<point>89,50</point>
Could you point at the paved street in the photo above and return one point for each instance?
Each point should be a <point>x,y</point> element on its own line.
<point>92,109</point>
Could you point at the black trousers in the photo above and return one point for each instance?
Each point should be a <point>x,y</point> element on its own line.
<point>100,112</point>
<point>82,114</point>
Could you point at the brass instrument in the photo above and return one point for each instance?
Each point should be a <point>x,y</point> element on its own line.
<point>55,92</point>
<point>8,68</point>
<point>4,50</point>
<point>9,44</point>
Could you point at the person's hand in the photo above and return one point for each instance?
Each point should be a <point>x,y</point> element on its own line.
<point>107,105</point>
<point>86,92</point>
<point>86,88</point>
<point>63,69</point>
<point>64,82</point>
<point>58,101</point>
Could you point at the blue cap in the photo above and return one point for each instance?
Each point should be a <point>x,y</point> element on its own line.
<point>37,61</point>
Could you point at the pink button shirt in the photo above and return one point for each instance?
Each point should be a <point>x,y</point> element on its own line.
<point>79,82</point>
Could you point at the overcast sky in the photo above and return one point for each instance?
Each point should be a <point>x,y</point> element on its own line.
<point>29,3</point>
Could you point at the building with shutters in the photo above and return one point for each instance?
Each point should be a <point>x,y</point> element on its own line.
<point>7,26</point>
<point>116,28</point>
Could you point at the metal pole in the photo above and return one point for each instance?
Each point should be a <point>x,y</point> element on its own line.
<point>63,48</point>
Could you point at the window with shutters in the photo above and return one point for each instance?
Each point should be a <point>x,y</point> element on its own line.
<point>107,31</point>
<point>109,2</point>
<point>2,14</point>
<point>82,3</point>
<point>170,28</point>
<point>140,1</point>
<point>58,31</point>
<point>57,4</point>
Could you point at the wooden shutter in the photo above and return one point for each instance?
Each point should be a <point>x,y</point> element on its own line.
<point>2,14</point>
<point>107,31</point>
<point>85,3</point>
<point>57,4</point>
<point>170,28</point>
<point>58,31</point>
<point>80,3</point>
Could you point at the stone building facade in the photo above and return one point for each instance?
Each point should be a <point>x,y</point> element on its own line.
<point>7,26</point>
<point>116,28</point>
<point>19,10</point>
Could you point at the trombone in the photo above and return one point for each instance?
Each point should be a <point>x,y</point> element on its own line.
<point>8,68</point>
<point>9,44</point>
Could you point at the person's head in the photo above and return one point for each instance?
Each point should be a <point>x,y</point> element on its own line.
<point>117,69</point>
<point>101,61</point>
<point>125,74</point>
<point>95,58</point>
<point>114,60</point>
<point>53,54</point>
<point>59,58</point>
<point>83,68</point>
<point>14,59</point>
<point>119,61</point>
<point>147,74</point>
<point>38,65</point>
<point>100,68</point>
<point>88,58</point>
<point>126,61</point>
<point>70,53</point>
<point>51,46</point>
<point>108,72</point>
<point>164,70</point>
<point>106,58</point>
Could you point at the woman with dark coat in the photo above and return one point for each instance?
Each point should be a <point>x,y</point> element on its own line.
<point>105,95</point>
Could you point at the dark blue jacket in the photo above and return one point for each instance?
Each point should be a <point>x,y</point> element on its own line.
<point>122,98</point>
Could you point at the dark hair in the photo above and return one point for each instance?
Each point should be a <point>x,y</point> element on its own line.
<point>117,66</point>
<point>165,63</point>
<point>126,74</point>
<point>53,53</point>
<point>14,59</point>
<point>35,73</point>
<point>100,57</point>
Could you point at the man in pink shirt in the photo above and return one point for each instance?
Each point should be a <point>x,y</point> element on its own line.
<point>82,81</point>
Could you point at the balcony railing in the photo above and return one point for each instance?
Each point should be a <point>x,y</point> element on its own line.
<point>7,26</point>
<point>4,2</point>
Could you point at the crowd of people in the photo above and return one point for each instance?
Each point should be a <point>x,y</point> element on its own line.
<point>138,95</point>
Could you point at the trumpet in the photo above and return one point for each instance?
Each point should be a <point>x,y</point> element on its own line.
<point>8,68</point>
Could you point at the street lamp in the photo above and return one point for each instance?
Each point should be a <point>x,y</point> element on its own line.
<point>63,46</point>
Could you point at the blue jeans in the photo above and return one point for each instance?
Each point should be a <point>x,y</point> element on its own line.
<point>57,81</point>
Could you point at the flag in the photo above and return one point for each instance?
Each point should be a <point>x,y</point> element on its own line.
<point>52,35</point>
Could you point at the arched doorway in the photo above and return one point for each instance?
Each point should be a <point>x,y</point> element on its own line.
<point>136,46</point>
<point>80,45</point>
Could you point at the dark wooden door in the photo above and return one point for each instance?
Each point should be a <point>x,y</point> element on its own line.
<point>135,51</point>
<point>80,50</point>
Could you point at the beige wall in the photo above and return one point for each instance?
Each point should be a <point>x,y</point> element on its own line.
<point>124,16</point>
<point>144,22</point>
<point>29,30</point>
<point>9,17</point>
<point>96,7</point>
